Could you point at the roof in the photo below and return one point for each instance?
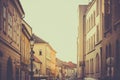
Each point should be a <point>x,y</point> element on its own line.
<point>38,40</point>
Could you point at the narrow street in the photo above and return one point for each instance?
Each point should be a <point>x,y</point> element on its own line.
<point>59,39</point>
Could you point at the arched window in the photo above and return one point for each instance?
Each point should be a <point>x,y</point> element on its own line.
<point>97,63</point>
<point>9,69</point>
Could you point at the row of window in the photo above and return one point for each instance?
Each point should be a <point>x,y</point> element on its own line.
<point>90,22</point>
<point>90,65</point>
<point>10,24</point>
<point>90,44</point>
<point>93,40</point>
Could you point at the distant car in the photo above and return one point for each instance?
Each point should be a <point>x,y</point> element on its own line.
<point>89,78</point>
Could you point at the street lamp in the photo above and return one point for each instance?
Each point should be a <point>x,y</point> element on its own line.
<point>31,57</point>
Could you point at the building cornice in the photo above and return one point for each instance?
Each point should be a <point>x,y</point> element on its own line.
<point>19,7</point>
<point>25,27</point>
<point>9,45</point>
<point>90,6</point>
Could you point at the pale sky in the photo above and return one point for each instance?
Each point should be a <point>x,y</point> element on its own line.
<point>56,22</point>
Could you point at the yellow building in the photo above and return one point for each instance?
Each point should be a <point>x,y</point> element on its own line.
<point>26,33</point>
<point>47,55</point>
<point>11,13</point>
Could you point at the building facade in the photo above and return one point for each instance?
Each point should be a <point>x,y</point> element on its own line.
<point>102,38</point>
<point>111,41</point>
<point>26,34</point>
<point>90,37</point>
<point>47,55</point>
<point>11,14</point>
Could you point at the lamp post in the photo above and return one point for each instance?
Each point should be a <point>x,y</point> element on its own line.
<point>31,57</point>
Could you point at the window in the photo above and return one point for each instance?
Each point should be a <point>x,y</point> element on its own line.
<point>97,63</point>
<point>110,54</point>
<point>40,52</point>
<point>97,33</point>
<point>9,25</point>
<point>87,26</point>
<point>0,71</point>
<point>17,74</point>
<point>9,69</point>
<point>117,63</point>
<point>93,40</point>
<point>91,65</point>
<point>36,71</point>
<point>107,52</point>
<point>94,18</point>
<point>89,45</point>
<point>15,26</point>
<point>88,67</point>
<point>118,51</point>
<point>4,18</point>
<point>18,35</point>
<point>107,16</point>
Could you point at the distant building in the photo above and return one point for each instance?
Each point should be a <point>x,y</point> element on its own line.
<point>47,55</point>
<point>65,70</point>
<point>11,14</point>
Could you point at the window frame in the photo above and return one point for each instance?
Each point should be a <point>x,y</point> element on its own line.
<point>4,15</point>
